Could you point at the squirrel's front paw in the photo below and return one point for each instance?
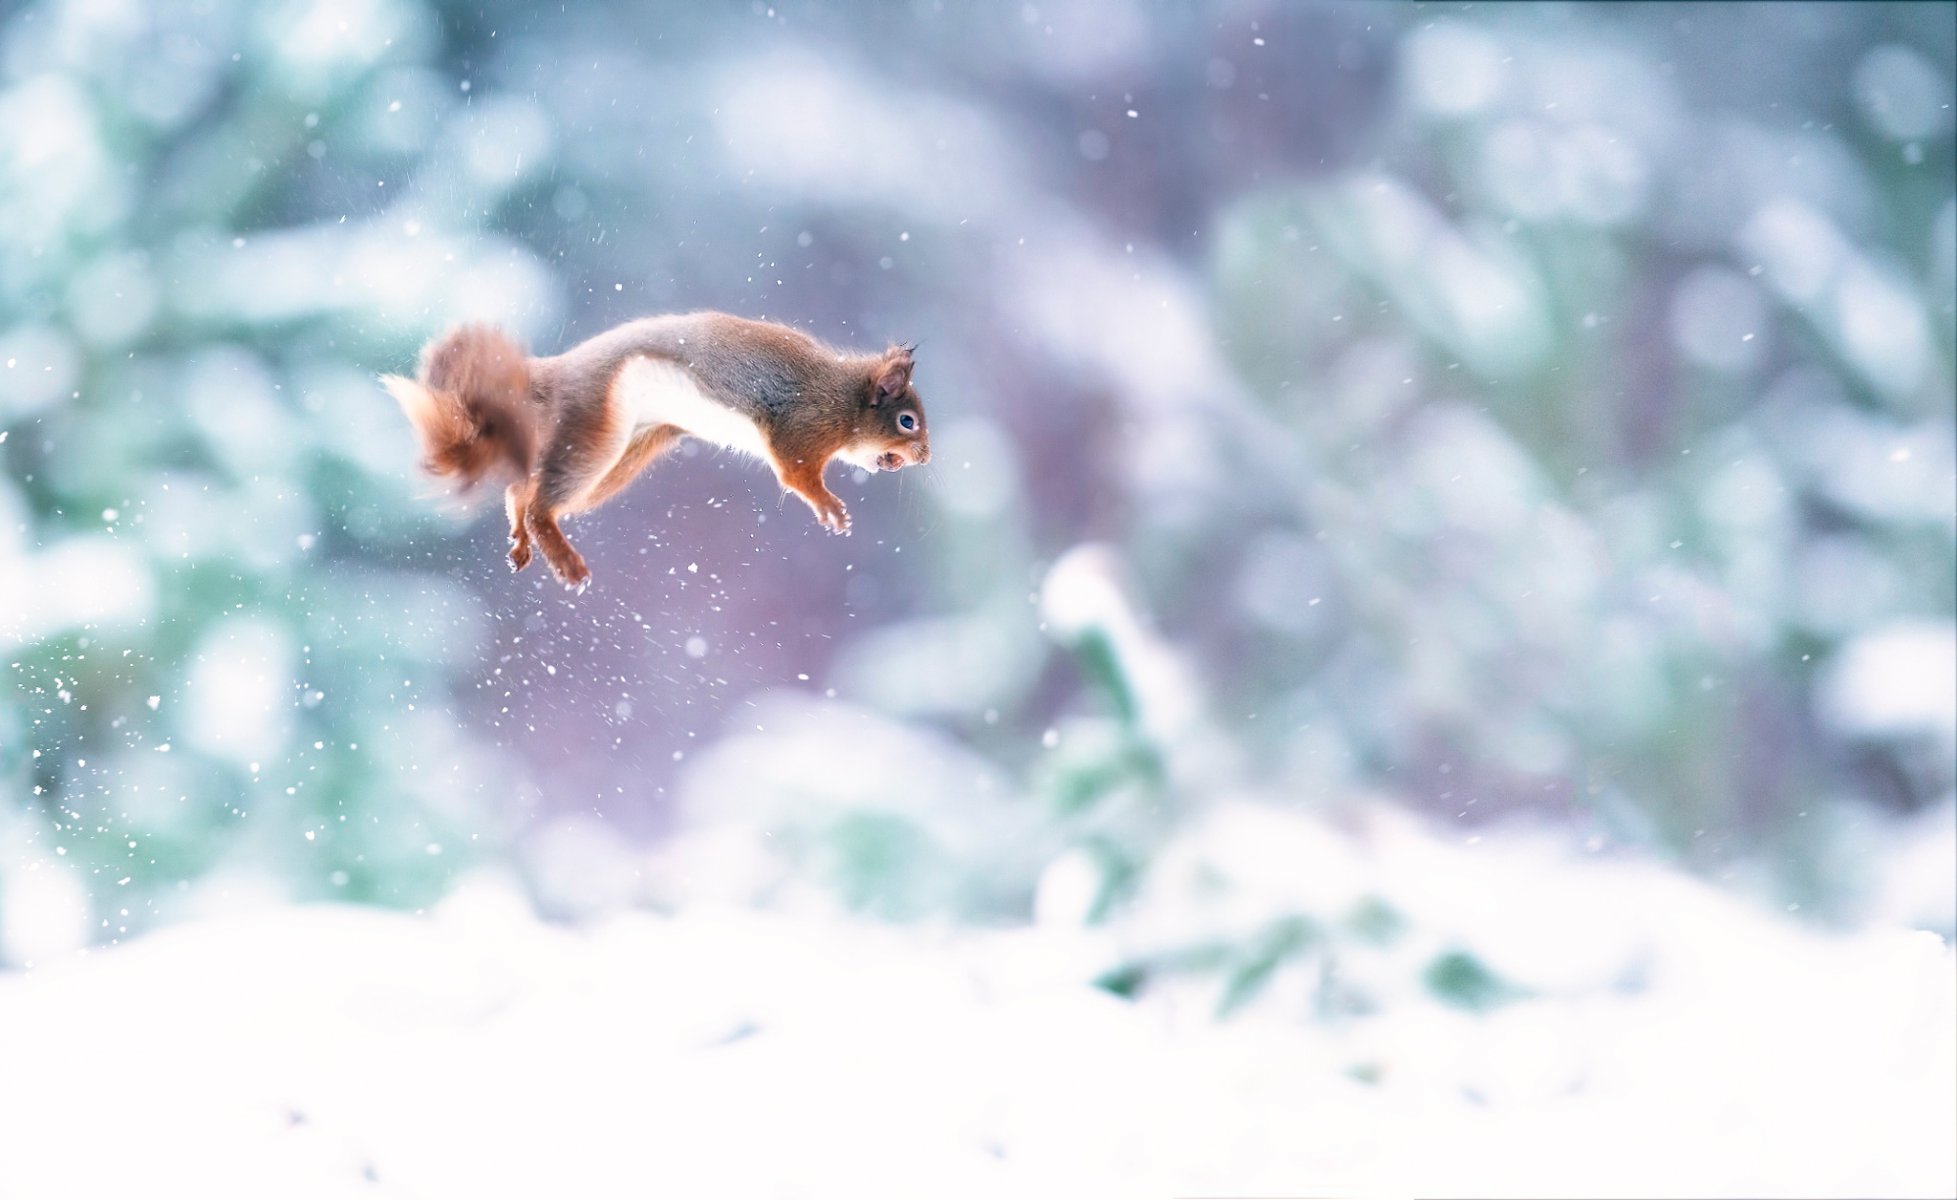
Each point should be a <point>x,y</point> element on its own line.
<point>833,516</point>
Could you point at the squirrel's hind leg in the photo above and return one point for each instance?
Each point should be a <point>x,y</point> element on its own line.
<point>516,502</point>
<point>565,561</point>
<point>647,444</point>
<point>586,445</point>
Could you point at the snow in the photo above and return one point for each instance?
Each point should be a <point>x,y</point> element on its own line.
<point>88,582</point>
<point>721,1050</point>
<point>1898,680</point>
<point>1084,594</point>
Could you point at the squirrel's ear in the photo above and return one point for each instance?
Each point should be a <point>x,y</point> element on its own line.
<point>893,375</point>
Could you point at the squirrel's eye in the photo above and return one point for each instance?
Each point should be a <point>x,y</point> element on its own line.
<point>907,422</point>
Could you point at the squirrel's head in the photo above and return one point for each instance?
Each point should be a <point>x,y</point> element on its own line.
<point>890,423</point>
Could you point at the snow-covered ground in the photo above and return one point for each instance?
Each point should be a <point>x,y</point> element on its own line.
<point>726,1051</point>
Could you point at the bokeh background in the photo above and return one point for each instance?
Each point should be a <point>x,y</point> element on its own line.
<point>1488,416</point>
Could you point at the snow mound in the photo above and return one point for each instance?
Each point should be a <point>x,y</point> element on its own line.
<point>477,1051</point>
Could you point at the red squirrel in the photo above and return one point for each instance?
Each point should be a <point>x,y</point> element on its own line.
<point>576,427</point>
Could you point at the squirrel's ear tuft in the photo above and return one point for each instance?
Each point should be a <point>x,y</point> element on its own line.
<point>893,375</point>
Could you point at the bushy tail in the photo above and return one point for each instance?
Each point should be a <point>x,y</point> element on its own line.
<point>471,406</point>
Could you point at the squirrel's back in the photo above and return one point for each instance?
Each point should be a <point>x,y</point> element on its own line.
<point>754,367</point>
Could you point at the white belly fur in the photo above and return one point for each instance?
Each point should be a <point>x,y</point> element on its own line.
<point>657,392</point>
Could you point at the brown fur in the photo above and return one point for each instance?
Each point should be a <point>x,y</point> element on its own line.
<point>471,406</point>
<point>480,405</point>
